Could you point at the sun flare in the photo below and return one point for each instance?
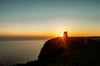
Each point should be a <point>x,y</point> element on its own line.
<point>61,35</point>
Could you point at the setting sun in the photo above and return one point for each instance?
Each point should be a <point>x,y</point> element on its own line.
<point>61,35</point>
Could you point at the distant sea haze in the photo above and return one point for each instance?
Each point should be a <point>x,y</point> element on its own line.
<point>14,38</point>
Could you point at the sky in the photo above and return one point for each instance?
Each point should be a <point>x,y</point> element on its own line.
<point>49,17</point>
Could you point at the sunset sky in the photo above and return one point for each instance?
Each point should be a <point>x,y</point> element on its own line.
<point>49,17</point>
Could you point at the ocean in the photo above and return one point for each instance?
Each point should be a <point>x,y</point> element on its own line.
<point>14,52</point>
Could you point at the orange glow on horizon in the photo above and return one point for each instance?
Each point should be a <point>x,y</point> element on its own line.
<point>29,34</point>
<point>50,34</point>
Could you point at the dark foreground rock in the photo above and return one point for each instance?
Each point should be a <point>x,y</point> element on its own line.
<point>74,51</point>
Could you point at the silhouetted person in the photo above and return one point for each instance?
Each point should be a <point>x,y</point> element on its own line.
<point>65,38</point>
<point>65,35</point>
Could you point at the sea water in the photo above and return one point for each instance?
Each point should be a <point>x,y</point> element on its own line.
<point>14,52</point>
